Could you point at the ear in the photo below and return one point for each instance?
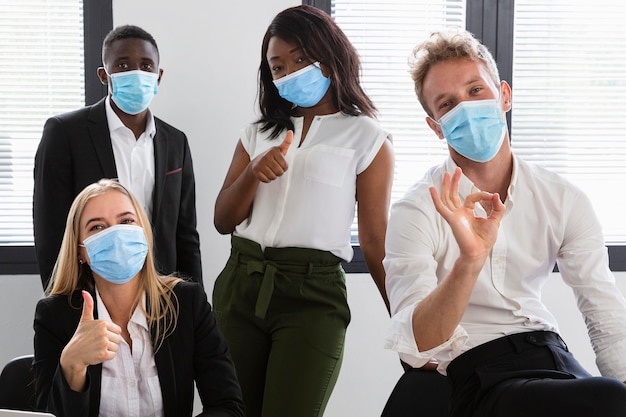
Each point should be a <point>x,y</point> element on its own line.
<point>505,96</point>
<point>434,126</point>
<point>83,257</point>
<point>160,75</point>
<point>102,75</point>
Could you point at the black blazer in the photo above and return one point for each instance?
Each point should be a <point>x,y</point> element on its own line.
<point>75,151</point>
<point>196,350</point>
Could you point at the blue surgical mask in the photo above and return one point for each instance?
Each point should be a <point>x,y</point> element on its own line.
<point>117,253</point>
<point>132,91</point>
<point>305,87</point>
<point>474,129</point>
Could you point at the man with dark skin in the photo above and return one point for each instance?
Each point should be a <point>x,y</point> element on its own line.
<point>118,137</point>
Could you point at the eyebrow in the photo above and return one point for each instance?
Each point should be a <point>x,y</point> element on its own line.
<point>126,58</point>
<point>470,82</point>
<point>98,219</point>
<point>296,49</point>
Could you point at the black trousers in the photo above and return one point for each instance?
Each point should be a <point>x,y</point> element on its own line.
<point>532,375</point>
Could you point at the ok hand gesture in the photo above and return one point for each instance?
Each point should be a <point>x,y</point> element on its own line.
<point>475,235</point>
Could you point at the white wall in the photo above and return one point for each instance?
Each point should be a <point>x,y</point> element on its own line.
<point>210,54</point>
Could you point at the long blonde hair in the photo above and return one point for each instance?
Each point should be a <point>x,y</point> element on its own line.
<point>68,276</point>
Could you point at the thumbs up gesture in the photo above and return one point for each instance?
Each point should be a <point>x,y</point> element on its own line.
<point>93,342</point>
<point>272,164</point>
<point>284,147</point>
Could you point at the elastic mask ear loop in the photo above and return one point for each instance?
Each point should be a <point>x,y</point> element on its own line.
<point>434,121</point>
<point>81,262</point>
<point>438,125</point>
<point>283,80</point>
<point>501,100</point>
<point>500,97</point>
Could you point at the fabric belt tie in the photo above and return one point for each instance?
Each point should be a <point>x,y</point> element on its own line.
<point>275,263</point>
<point>269,271</point>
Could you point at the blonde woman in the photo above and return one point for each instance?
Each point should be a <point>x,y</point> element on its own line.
<point>115,338</point>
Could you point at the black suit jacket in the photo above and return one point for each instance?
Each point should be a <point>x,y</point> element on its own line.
<point>75,151</point>
<point>196,350</point>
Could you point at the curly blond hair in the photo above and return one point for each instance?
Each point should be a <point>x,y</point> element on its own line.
<point>444,46</point>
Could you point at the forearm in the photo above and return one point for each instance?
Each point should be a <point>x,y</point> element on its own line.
<point>188,259</point>
<point>373,196</point>
<point>53,393</point>
<point>72,369</point>
<point>52,196</point>
<point>373,253</point>
<point>76,377</point>
<point>63,401</point>
<point>436,317</point>
<point>234,202</point>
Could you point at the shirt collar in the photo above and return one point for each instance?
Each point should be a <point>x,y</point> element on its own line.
<point>466,186</point>
<point>116,123</point>
<point>514,180</point>
<point>138,317</point>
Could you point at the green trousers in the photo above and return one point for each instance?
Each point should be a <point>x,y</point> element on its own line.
<point>284,313</point>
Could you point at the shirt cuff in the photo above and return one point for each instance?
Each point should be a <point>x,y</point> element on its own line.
<point>400,338</point>
<point>611,362</point>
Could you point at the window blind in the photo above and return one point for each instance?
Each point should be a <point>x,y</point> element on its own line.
<point>569,98</point>
<point>385,34</point>
<point>41,74</point>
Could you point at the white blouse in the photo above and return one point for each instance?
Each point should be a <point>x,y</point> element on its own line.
<point>313,204</point>
<point>130,381</point>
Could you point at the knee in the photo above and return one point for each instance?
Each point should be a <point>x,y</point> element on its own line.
<point>610,398</point>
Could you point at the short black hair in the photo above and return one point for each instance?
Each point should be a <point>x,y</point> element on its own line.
<point>126,32</point>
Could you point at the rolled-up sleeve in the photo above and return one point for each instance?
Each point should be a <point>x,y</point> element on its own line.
<point>412,242</point>
<point>583,264</point>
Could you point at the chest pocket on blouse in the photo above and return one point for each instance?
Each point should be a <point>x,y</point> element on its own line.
<point>328,164</point>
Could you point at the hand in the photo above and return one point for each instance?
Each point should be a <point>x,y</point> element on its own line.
<point>474,235</point>
<point>272,164</point>
<point>93,342</point>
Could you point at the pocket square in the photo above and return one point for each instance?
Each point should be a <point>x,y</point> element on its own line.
<point>174,171</point>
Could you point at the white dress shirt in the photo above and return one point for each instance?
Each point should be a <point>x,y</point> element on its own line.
<point>312,205</point>
<point>547,219</point>
<point>130,381</point>
<point>134,158</point>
